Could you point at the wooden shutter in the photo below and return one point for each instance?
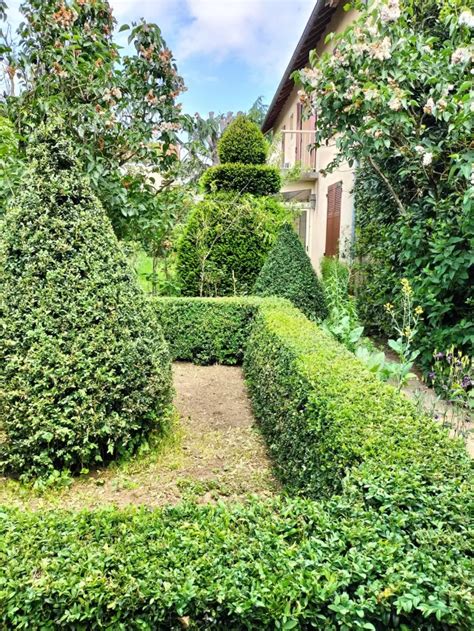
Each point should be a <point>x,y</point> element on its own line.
<point>333,222</point>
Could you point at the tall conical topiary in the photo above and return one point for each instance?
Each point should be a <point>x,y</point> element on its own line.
<point>84,369</point>
<point>288,273</point>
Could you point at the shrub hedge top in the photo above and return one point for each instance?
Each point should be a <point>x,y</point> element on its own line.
<point>84,369</point>
<point>243,142</point>
<point>225,242</point>
<point>288,273</point>
<point>207,330</point>
<point>256,179</point>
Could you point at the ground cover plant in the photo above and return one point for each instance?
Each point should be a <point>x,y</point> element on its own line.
<point>387,546</point>
<point>84,369</point>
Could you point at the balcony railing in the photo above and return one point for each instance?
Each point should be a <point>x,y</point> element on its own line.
<point>297,149</point>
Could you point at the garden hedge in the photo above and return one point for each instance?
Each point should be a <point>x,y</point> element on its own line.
<point>207,330</point>
<point>224,243</point>
<point>85,373</point>
<point>256,179</point>
<point>380,540</point>
<point>288,273</point>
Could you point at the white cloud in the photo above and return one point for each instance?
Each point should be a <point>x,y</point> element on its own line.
<point>260,32</point>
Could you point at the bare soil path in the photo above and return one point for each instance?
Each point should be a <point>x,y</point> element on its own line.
<point>214,452</point>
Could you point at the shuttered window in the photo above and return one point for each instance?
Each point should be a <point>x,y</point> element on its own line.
<point>333,222</point>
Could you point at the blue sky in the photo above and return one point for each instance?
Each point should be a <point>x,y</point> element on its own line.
<point>228,51</point>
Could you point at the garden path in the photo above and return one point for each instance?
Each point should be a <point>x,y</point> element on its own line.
<point>214,452</point>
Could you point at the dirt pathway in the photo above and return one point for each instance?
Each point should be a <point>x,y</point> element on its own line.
<point>214,452</point>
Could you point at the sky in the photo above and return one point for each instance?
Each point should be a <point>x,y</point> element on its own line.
<point>229,52</point>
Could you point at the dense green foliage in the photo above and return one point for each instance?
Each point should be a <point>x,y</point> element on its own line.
<point>391,550</point>
<point>257,179</point>
<point>286,564</point>
<point>207,330</point>
<point>242,142</point>
<point>11,164</point>
<point>397,95</point>
<point>84,369</point>
<point>434,249</point>
<point>288,273</point>
<point>317,404</point>
<point>118,103</point>
<point>225,242</point>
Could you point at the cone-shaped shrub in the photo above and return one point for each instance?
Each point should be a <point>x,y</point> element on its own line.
<point>288,273</point>
<point>84,369</point>
<point>243,142</point>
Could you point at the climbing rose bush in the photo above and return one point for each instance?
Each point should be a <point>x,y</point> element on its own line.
<point>396,92</point>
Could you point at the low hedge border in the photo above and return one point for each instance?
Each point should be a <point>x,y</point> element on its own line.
<point>322,412</point>
<point>207,330</point>
<point>388,545</point>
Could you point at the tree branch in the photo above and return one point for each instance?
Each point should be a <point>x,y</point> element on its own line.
<point>388,185</point>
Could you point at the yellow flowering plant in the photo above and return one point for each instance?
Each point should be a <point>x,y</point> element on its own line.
<point>405,320</point>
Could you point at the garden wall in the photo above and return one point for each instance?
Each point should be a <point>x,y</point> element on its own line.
<point>379,540</point>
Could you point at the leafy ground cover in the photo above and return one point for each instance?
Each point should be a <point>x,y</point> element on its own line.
<point>212,451</point>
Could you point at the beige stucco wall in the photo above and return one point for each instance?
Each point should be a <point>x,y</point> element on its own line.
<point>316,223</point>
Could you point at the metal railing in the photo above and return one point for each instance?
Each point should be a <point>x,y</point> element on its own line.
<point>297,148</point>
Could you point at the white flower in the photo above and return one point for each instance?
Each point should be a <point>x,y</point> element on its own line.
<point>466,18</point>
<point>311,76</point>
<point>117,93</point>
<point>391,11</point>
<point>395,103</point>
<point>442,104</point>
<point>370,94</point>
<point>427,159</point>
<point>429,105</point>
<point>460,56</point>
<point>381,49</point>
<point>419,149</point>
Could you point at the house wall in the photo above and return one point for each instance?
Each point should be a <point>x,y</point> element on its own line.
<point>318,184</point>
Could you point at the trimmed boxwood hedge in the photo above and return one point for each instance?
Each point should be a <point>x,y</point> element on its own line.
<point>207,330</point>
<point>256,179</point>
<point>288,273</point>
<point>323,414</point>
<point>387,544</point>
<point>224,243</point>
<point>85,373</point>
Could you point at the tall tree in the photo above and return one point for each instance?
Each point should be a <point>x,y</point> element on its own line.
<point>119,107</point>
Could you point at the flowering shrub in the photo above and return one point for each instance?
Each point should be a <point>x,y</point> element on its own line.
<point>397,95</point>
<point>120,109</point>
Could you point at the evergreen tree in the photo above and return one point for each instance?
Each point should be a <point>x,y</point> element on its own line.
<point>84,369</point>
<point>288,273</point>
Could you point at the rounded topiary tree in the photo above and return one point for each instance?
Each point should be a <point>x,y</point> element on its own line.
<point>242,151</point>
<point>225,242</point>
<point>288,273</point>
<point>84,369</point>
<point>242,142</point>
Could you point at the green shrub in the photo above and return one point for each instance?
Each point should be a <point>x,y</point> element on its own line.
<point>207,330</point>
<point>84,369</point>
<point>324,414</point>
<point>390,550</point>
<point>257,179</point>
<point>225,242</point>
<point>288,273</point>
<point>285,564</point>
<point>243,141</point>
